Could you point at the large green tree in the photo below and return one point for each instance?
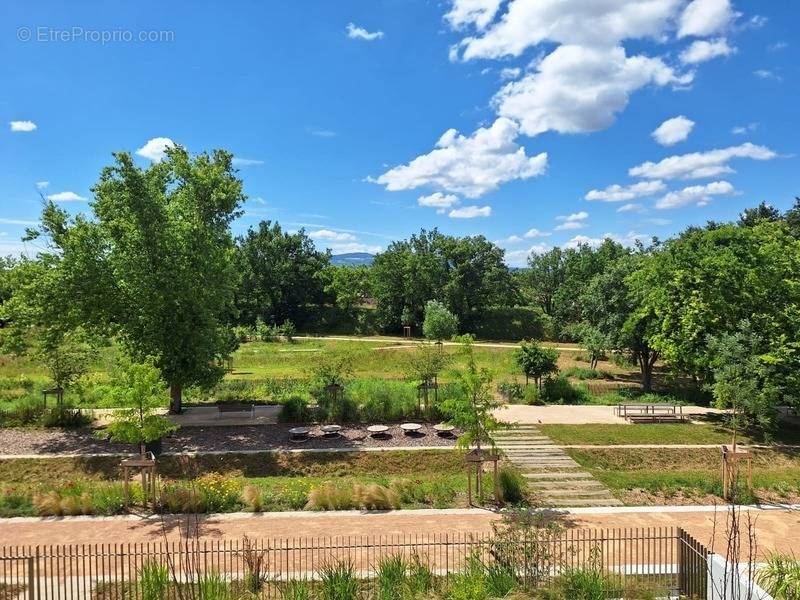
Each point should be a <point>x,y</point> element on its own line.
<point>279,275</point>
<point>706,282</point>
<point>155,265</point>
<point>466,274</point>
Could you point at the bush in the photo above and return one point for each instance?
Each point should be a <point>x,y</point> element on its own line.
<point>294,410</point>
<point>15,503</point>
<point>375,497</point>
<point>330,497</point>
<point>28,411</point>
<point>559,390</point>
<point>512,484</point>
<point>511,391</point>
<point>584,373</point>
<point>176,498</point>
<point>532,396</point>
<point>253,498</point>
<point>381,400</point>
<point>62,416</point>
<point>220,493</point>
<point>338,581</point>
<point>622,360</point>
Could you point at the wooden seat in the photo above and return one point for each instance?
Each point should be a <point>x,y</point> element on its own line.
<point>236,407</point>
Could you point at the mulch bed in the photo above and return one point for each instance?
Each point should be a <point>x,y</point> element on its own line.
<point>206,439</point>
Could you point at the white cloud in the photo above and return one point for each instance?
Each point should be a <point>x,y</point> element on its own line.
<point>519,258</point>
<point>629,239</point>
<point>579,22</point>
<point>703,50</point>
<point>578,89</point>
<point>4,221</point>
<point>767,74</point>
<point>744,129</point>
<point>695,194</point>
<point>348,247</point>
<point>777,46</point>
<point>510,240</point>
<point>66,197</point>
<point>673,130</point>
<point>698,165</point>
<point>439,201</point>
<point>470,212</point>
<point>246,162</point>
<point>327,234</point>
<point>354,32</point>
<point>155,148</point>
<point>470,165</point>
<point>510,73</point>
<point>619,193</point>
<point>323,133</point>
<point>40,185</point>
<point>573,221</point>
<point>631,207</point>
<point>472,12</point>
<point>535,233</point>
<point>22,125</point>
<point>705,17</point>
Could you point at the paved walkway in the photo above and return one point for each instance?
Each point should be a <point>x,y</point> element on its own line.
<point>555,478</point>
<point>582,414</point>
<point>776,529</point>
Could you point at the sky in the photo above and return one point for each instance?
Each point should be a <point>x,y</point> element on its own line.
<point>532,122</point>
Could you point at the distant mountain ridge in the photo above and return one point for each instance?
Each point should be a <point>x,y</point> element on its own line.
<point>353,259</point>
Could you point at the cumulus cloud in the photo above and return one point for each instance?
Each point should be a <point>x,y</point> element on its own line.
<point>155,148</point>
<point>472,12</point>
<point>354,32</point>
<point>673,130</point>
<point>469,165</point>
<point>510,73</point>
<point>629,239</point>
<point>572,221</point>
<point>439,201</point>
<point>510,240</point>
<point>703,50</point>
<point>705,17</point>
<point>695,194</point>
<point>535,233</point>
<point>573,22</point>
<point>22,126</point>
<point>66,197</point>
<point>698,165</point>
<point>348,247</point>
<point>470,212</point>
<point>577,89</point>
<point>619,193</point>
<point>519,258</point>
<point>327,234</point>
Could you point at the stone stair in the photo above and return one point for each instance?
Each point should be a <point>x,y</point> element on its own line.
<point>555,478</point>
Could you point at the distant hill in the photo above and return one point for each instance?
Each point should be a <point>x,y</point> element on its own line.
<point>353,258</point>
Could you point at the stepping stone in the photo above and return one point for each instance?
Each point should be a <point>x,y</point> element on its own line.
<point>558,475</point>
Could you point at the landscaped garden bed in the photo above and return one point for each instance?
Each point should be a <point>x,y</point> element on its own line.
<point>688,476</point>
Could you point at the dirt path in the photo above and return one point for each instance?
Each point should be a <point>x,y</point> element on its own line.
<point>777,529</point>
<point>398,340</point>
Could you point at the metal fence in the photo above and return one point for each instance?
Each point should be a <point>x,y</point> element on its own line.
<point>665,560</point>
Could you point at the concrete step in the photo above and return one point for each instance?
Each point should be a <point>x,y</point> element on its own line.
<point>574,484</point>
<point>564,475</point>
<point>576,502</point>
<point>567,494</point>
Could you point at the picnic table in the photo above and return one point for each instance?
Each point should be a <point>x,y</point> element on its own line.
<point>651,413</point>
<point>236,407</point>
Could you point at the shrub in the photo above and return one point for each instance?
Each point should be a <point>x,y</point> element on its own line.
<point>220,493</point>
<point>153,580</point>
<point>559,390</point>
<point>62,416</point>
<point>532,396</point>
<point>511,391</point>
<point>584,373</point>
<point>439,323</point>
<point>338,581</point>
<point>15,503</point>
<point>176,498</point>
<point>288,330</point>
<point>330,497</point>
<point>381,400</point>
<point>294,410</point>
<point>253,498</point>
<point>296,589</point>
<point>375,497</point>
<point>109,499</point>
<point>28,411</point>
<point>622,359</point>
<point>513,323</point>
<point>512,485</point>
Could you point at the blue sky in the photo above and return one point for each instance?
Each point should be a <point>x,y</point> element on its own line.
<point>365,121</point>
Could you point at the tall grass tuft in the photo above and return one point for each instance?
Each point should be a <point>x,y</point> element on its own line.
<point>328,496</point>
<point>153,580</point>
<point>213,587</point>
<point>512,484</point>
<point>392,572</point>
<point>780,577</point>
<point>338,581</point>
<point>375,497</point>
<point>296,589</point>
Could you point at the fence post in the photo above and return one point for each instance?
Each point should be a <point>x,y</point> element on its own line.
<point>31,579</point>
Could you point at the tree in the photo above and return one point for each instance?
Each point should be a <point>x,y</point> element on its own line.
<point>594,342</point>
<point>330,372</point>
<point>279,275</point>
<point>472,409</point>
<point>546,273</point>
<point>468,275</point>
<point>155,267</point>
<point>68,359</point>
<point>536,361</point>
<point>140,391</point>
<point>762,212</point>
<point>349,286</point>
<point>439,324</point>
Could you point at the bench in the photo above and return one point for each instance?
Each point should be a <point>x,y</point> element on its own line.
<point>233,408</point>
<point>651,413</point>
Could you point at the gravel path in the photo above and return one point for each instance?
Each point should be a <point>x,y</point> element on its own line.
<point>200,439</point>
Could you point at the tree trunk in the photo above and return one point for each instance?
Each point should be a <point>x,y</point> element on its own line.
<point>175,399</point>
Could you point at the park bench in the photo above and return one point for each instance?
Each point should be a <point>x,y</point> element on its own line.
<point>651,413</point>
<point>236,408</point>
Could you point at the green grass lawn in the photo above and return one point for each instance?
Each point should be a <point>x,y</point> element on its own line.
<point>688,473</point>
<point>662,433</point>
